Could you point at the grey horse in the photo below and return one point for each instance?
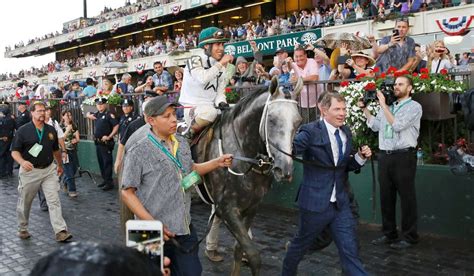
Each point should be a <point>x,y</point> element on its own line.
<point>261,121</point>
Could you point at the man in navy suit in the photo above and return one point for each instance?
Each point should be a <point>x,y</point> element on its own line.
<point>322,199</point>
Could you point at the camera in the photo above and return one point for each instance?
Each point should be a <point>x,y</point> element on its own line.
<point>251,79</point>
<point>387,90</point>
<point>147,237</point>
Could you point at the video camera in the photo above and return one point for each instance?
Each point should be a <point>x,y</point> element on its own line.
<point>387,90</point>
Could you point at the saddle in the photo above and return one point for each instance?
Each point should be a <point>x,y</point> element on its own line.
<point>199,154</point>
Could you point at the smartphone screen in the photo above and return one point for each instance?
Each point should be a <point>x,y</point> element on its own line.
<point>148,242</point>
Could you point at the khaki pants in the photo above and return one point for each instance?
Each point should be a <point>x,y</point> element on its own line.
<point>212,239</point>
<point>29,184</point>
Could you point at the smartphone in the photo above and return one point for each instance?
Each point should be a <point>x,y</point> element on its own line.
<point>395,32</point>
<point>147,237</point>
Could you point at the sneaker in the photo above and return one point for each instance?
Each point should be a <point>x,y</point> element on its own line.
<point>23,234</point>
<point>214,256</point>
<point>73,194</point>
<point>63,236</point>
<point>101,185</point>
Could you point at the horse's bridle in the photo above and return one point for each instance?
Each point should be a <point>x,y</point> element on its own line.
<point>263,130</point>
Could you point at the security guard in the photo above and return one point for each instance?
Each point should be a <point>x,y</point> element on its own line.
<point>106,126</point>
<point>23,114</point>
<point>127,117</point>
<point>7,128</point>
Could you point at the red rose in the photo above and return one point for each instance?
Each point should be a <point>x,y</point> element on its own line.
<point>62,102</point>
<point>424,76</point>
<point>360,76</point>
<point>415,74</point>
<point>404,72</point>
<point>376,69</point>
<point>392,70</point>
<point>228,90</point>
<point>370,87</point>
<point>383,76</point>
<point>397,74</point>
<point>424,71</point>
<point>344,83</point>
<point>443,71</point>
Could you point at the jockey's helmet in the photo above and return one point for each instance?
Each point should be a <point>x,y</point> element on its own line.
<point>212,35</point>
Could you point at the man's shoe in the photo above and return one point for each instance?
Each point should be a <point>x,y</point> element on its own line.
<point>214,256</point>
<point>73,194</point>
<point>63,236</point>
<point>383,240</point>
<point>107,187</point>
<point>101,185</point>
<point>401,245</point>
<point>23,234</point>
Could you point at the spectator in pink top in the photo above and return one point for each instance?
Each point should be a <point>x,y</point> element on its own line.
<point>308,69</point>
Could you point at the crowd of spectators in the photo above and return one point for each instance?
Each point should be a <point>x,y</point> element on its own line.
<point>105,15</point>
<point>149,48</point>
<point>347,11</point>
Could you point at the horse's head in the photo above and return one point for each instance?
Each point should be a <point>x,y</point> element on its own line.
<point>279,123</point>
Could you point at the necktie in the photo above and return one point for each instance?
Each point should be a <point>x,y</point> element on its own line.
<point>339,146</point>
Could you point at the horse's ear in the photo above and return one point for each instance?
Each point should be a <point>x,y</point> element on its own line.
<point>298,88</point>
<point>274,86</point>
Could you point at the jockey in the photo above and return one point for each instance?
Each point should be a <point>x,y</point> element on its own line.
<point>204,81</point>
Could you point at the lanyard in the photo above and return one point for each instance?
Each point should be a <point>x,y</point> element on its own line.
<point>39,133</point>
<point>401,105</point>
<point>165,151</point>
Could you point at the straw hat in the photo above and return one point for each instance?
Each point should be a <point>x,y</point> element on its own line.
<point>362,54</point>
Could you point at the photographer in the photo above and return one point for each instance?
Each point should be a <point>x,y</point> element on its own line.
<point>398,126</point>
<point>359,63</point>
<point>438,58</point>
<point>397,50</point>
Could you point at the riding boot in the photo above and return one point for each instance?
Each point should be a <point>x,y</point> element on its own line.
<point>192,132</point>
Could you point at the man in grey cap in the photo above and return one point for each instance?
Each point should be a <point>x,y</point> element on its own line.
<point>160,191</point>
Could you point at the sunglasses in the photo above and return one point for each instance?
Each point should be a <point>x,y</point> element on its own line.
<point>220,34</point>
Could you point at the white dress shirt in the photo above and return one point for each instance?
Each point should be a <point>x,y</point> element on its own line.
<point>335,150</point>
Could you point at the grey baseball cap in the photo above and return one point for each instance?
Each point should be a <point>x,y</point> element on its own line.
<point>157,106</point>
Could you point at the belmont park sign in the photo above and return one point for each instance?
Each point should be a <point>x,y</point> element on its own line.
<point>269,45</point>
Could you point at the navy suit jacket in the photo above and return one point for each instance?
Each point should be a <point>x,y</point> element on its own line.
<point>315,191</point>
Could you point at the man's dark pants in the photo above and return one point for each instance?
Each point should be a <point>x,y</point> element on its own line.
<point>343,229</point>
<point>105,159</point>
<point>397,175</point>
<point>186,264</point>
<point>6,160</point>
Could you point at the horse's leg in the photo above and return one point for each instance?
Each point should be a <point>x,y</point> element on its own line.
<point>237,227</point>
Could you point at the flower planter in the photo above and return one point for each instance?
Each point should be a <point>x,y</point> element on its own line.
<point>435,106</point>
<point>88,108</point>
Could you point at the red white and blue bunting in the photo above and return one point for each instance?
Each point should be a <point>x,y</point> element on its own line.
<point>176,9</point>
<point>455,25</point>
<point>140,68</point>
<point>143,18</point>
<point>115,26</point>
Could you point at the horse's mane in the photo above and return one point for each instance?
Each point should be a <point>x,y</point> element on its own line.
<point>243,103</point>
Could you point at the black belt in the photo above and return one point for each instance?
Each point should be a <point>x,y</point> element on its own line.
<point>41,166</point>
<point>406,150</point>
